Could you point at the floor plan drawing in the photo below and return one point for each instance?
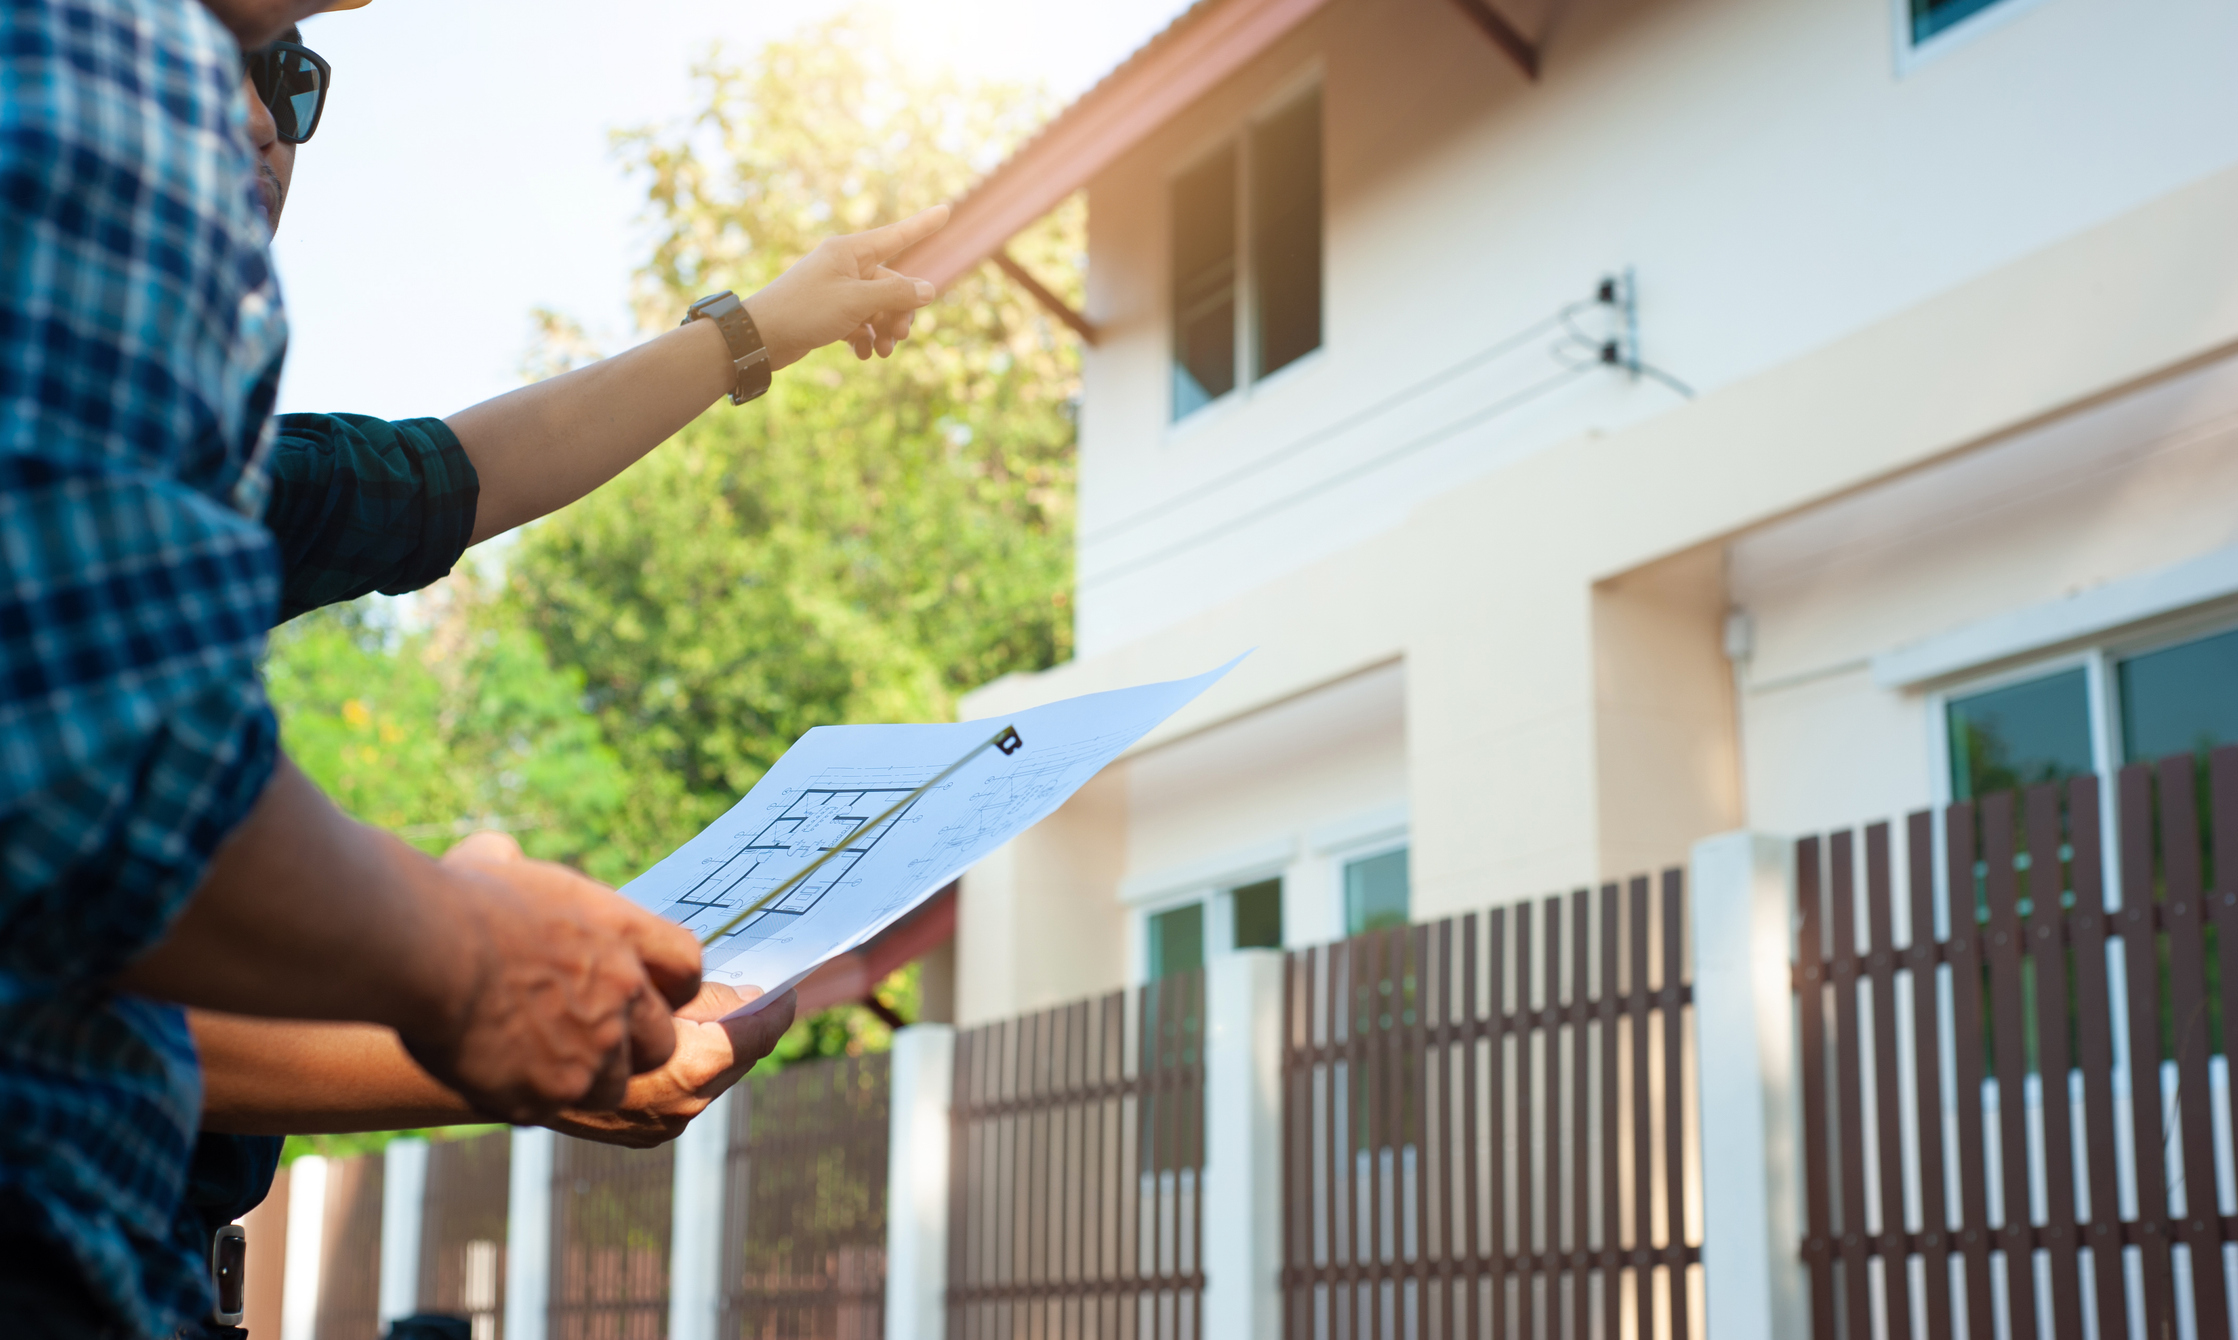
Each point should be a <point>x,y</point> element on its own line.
<point>816,801</point>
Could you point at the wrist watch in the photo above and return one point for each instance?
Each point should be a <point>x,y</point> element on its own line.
<point>747,352</point>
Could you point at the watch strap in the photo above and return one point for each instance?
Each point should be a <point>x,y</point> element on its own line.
<point>749,355</point>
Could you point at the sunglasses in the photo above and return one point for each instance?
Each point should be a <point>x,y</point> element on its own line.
<point>292,80</point>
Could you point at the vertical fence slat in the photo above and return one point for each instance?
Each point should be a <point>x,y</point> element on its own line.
<point>1849,1062</point>
<point>1612,1262</point>
<point>2095,1050</point>
<point>1498,1244</point>
<point>1643,1123</point>
<point>1888,1102</point>
<point>1550,1119</point>
<point>2201,1226</point>
<point>2008,1035</point>
<point>2047,946</point>
<point>1810,973</point>
<point>1581,1083</point>
<point>1934,1216</point>
<point>1526,1185</point>
<point>1966,1048</point>
<point>2223,901</point>
<point>2141,962</point>
<point>1674,1095</point>
<point>1472,1242</point>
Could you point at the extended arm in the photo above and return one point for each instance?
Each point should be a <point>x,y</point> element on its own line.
<point>542,447</point>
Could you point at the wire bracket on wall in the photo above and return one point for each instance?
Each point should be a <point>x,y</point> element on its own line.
<point>1620,348</point>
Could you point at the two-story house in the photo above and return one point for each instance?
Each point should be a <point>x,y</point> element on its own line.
<point>1615,422</point>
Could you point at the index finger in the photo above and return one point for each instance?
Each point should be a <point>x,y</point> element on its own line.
<point>895,238</point>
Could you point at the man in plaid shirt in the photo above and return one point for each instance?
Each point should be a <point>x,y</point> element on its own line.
<point>156,844</point>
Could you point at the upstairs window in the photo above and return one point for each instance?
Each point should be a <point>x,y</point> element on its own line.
<point>1286,235</point>
<point>1204,283</point>
<point>1247,257</point>
<point>1933,17</point>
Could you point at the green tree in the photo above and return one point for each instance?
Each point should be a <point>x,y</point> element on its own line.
<point>452,721</point>
<point>867,541</point>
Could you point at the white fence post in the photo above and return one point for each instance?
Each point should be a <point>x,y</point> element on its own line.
<point>403,1208</point>
<point>1242,1247</point>
<point>695,1251</point>
<point>1744,917</point>
<point>299,1278</point>
<point>924,1081</point>
<point>528,1234</point>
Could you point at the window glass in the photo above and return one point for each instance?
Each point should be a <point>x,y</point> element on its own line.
<point>1930,17</point>
<point>1204,283</point>
<point>1286,233</point>
<point>1375,892</point>
<point>1176,941</point>
<point>1258,909</point>
<point>2020,735</point>
<point>2180,700</point>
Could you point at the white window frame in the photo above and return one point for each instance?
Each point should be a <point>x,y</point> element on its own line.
<point>1209,884</point>
<point>1339,860</point>
<point>1911,56</point>
<point>1307,82</point>
<point>2102,692</point>
<point>1337,845</point>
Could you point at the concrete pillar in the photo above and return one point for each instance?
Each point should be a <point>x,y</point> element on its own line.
<point>1242,1246</point>
<point>299,1298</point>
<point>528,1234</point>
<point>403,1209</point>
<point>1744,918</point>
<point>924,1081</point>
<point>695,1240</point>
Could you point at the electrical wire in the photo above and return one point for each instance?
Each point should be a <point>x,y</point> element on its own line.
<point>1498,349</point>
<point>1492,411</point>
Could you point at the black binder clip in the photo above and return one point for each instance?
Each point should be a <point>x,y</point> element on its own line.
<point>1008,742</point>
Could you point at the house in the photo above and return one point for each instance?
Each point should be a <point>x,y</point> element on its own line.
<point>1612,423</point>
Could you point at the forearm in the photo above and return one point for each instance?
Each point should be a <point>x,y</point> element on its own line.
<point>288,1077</point>
<point>307,914</point>
<point>542,447</point>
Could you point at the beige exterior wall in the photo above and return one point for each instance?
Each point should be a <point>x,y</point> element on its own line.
<point>1944,326</point>
<point>1491,595</point>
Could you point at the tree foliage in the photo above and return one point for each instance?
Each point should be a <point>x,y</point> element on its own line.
<point>867,541</point>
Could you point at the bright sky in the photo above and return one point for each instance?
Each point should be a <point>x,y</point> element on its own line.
<point>462,176</point>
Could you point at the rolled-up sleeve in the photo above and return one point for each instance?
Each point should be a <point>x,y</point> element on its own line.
<point>135,729</point>
<point>360,504</point>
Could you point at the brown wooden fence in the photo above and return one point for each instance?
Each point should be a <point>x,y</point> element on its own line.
<point>1078,1148</point>
<point>610,1231</point>
<point>1485,1126</point>
<point>804,1238</point>
<point>462,1230</point>
<point>350,1251</point>
<point>1946,1182</point>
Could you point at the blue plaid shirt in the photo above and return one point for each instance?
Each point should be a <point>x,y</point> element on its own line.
<point>140,343</point>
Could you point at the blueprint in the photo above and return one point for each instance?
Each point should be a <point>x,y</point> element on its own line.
<point>834,780</point>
